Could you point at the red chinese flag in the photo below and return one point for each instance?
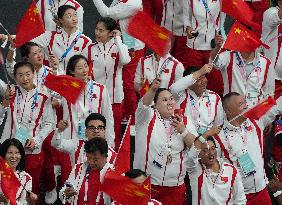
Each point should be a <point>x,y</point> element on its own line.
<point>260,109</point>
<point>9,183</point>
<point>67,86</point>
<point>122,161</point>
<point>242,39</point>
<point>142,27</point>
<point>145,88</point>
<point>30,26</point>
<point>125,191</point>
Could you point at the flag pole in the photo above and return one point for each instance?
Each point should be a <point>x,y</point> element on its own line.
<point>5,29</point>
<point>218,52</point>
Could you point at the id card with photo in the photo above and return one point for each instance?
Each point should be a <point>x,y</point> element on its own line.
<point>128,40</point>
<point>81,130</point>
<point>22,135</point>
<point>247,165</point>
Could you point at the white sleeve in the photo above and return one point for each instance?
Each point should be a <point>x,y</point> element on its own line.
<point>86,49</point>
<point>187,13</point>
<point>238,193</point>
<point>62,144</point>
<point>3,87</point>
<point>70,180</point>
<point>47,123</point>
<point>107,112</point>
<point>43,40</point>
<point>179,71</point>
<point>193,159</point>
<point>138,77</point>
<point>10,68</point>
<point>269,87</point>
<point>80,13</point>
<point>143,113</point>
<point>120,10</point>
<point>271,18</point>
<point>222,60</point>
<point>266,119</point>
<point>178,88</point>
<point>124,57</point>
<point>3,111</point>
<point>219,115</point>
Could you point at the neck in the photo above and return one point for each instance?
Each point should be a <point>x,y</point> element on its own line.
<point>198,93</point>
<point>70,31</point>
<point>248,57</point>
<point>237,122</point>
<point>37,67</point>
<point>215,167</point>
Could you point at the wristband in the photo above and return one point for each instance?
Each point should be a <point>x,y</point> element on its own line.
<point>201,139</point>
<point>277,193</point>
<point>183,134</point>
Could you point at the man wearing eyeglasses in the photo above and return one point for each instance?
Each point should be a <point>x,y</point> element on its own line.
<point>95,126</point>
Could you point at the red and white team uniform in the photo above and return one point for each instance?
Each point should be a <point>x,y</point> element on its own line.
<point>172,19</point>
<point>154,9</point>
<point>254,80</point>
<point>208,187</point>
<point>94,98</point>
<point>161,153</point>
<point>151,202</point>
<point>205,111</point>
<point>63,46</point>
<point>123,11</point>
<point>30,112</point>
<point>26,180</point>
<point>247,139</point>
<point>271,35</point>
<point>106,65</point>
<point>276,159</point>
<point>49,8</point>
<point>167,68</point>
<point>86,183</point>
<point>75,147</point>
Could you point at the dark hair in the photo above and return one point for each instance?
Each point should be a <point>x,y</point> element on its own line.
<point>210,138</point>
<point>95,116</point>
<point>62,10</point>
<point>25,49</point>
<point>227,97</point>
<point>96,144</point>
<point>274,2</point>
<point>5,146</point>
<point>72,63</point>
<point>109,23</point>
<point>158,93</point>
<point>190,70</point>
<point>21,64</point>
<point>134,173</point>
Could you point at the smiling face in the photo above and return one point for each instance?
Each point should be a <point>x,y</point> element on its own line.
<point>24,77</point>
<point>200,85</point>
<point>208,154</point>
<point>102,34</point>
<point>13,157</point>
<point>35,56</point>
<point>81,69</point>
<point>165,104</point>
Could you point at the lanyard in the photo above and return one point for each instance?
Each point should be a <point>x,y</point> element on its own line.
<point>52,7</point>
<point>195,109</point>
<point>80,110</point>
<point>205,3</point>
<point>275,37</point>
<point>70,47</point>
<point>43,77</point>
<point>32,107</point>
<point>164,65</point>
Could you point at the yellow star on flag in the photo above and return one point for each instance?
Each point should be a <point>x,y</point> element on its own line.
<point>75,84</point>
<point>238,30</point>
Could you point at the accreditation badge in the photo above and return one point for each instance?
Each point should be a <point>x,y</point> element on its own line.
<point>81,130</point>
<point>22,135</point>
<point>247,165</point>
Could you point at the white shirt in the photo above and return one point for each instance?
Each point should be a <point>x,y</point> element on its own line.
<point>173,17</point>
<point>253,80</point>
<point>38,123</point>
<point>121,11</point>
<point>107,61</point>
<point>151,202</point>
<point>168,68</point>
<point>271,25</point>
<point>196,16</point>
<point>76,179</point>
<point>78,112</point>
<point>45,9</point>
<point>205,111</point>
<point>220,188</point>
<point>233,140</point>
<point>156,144</point>
<point>57,42</point>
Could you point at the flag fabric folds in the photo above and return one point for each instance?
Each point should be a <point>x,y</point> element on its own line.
<point>30,26</point>
<point>9,183</point>
<point>242,39</point>
<point>125,191</point>
<point>145,88</point>
<point>67,86</point>
<point>122,161</point>
<point>260,109</point>
<point>142,27</point>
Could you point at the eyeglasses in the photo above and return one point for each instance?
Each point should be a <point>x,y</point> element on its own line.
<point>93,128</point>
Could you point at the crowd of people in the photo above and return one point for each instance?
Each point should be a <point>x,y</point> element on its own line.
<point>189,126</point>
